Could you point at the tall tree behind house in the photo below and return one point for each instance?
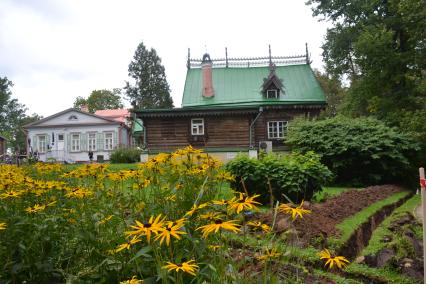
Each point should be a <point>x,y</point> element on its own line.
<point>150,88</point>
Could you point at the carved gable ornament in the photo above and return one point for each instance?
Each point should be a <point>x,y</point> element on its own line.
<point>272,85</point>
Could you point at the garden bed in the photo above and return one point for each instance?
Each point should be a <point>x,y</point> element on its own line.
<point>327,215</point>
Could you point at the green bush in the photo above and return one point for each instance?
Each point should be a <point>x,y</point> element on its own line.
<point>295,175</point>
<point>125,155</point>
<point>358,151</point>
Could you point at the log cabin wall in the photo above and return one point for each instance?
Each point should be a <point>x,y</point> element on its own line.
<point>164,133</point>
<point>261,129</point>
<point>220,132</point>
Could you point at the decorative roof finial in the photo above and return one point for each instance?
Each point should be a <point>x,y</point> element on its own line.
<point>308,61</point>
<point>270,56</point>
<point>226,57</point>
<point>188,62</point>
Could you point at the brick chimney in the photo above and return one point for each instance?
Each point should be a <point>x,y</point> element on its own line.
<point>206,69</point>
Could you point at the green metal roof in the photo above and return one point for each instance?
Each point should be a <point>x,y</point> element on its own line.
<point>243,86</point>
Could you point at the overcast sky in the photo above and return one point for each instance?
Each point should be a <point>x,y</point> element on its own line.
<point>56,50</point>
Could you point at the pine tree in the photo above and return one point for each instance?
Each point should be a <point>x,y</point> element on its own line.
<point>151,89</point>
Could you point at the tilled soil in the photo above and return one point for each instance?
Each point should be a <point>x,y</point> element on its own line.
<point>325,216</point>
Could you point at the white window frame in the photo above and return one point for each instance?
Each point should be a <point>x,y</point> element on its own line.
<point>197,126</point>
<point>272,94</point>
<point>75,143</point>
<point>41,144</point>
<point>91,141</point>
<point>277,129</point>
<point>108,141</point>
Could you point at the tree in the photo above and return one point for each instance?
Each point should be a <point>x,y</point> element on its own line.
<point>101,99</point>
<point>151,89</point>
<point>334,92</point>
<point>11,114</point>
<point>379,46</point>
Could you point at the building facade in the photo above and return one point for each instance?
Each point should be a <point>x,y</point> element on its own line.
<point>70,135</point>
<point>235,105</point>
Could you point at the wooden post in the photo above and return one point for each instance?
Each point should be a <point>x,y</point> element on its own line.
<point>423,192</point>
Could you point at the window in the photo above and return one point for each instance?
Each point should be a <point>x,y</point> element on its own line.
<point>277,129</point>
<point>272,94</point>
<point>108,141</point>
<point>60,137</point>
<point>42,143</point>
<point>197,126</point>
<point>92,141</point>
<point>75,142</point>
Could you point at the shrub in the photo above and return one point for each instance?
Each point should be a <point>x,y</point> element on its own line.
<point>295,175</point>
<point>357,151</point>
<point>125,155</point>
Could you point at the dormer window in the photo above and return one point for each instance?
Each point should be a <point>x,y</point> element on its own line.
<point>272,85</point>
<point>272,94</point>
<point>72,117</point>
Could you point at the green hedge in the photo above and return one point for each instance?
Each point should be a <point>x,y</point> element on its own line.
<point>358,151</point>
<point>125,155</point>
<point>295,175</point>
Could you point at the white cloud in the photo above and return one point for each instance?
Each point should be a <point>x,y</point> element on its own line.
<point>54,51</point>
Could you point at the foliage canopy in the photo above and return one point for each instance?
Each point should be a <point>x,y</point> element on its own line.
<point>101,99</point>
<point>297,176</point>
<point>362,150</point>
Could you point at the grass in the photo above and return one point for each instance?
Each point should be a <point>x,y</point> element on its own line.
<point>328,192</point>
<point>336,278</point>
<point>376,244</point>
<point>349,225</point>
<point>382,274</point>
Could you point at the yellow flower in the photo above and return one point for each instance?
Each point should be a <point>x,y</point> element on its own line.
<point>213,247</point>
<point>106,219</point>
<point>3,226</point>
<point>128,244</point>
<point>171,230</point>
<point>152,226</point>
<point>211,216</point>
<point>79,193</point>
<point>293,211</point>
<point>339,261</point>
<point>134,280</point>
<point>36,208</point>
<point>171,197</point>
<point>11,193</point>
<point>243,203</point>
<point>221,202</point>
<point>258,226</point>
<point>194,208</point>
<point>189,267</point>
<point>217,225</point>
<point>269,254</point>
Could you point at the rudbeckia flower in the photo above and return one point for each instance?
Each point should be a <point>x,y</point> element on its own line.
<point>189,267</point>
<point>293,211</point>
<point>217,225</point>
<point>148,228</point>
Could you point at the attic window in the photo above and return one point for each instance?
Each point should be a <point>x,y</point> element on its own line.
<point>272,94</point>
<point>72,117</point>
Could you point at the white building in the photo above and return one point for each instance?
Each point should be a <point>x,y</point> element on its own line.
<point>71,134</point>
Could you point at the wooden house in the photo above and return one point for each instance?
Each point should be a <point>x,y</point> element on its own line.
<point>235,105</point>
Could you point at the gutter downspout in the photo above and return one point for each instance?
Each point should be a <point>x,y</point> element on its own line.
<point>251,126</point>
